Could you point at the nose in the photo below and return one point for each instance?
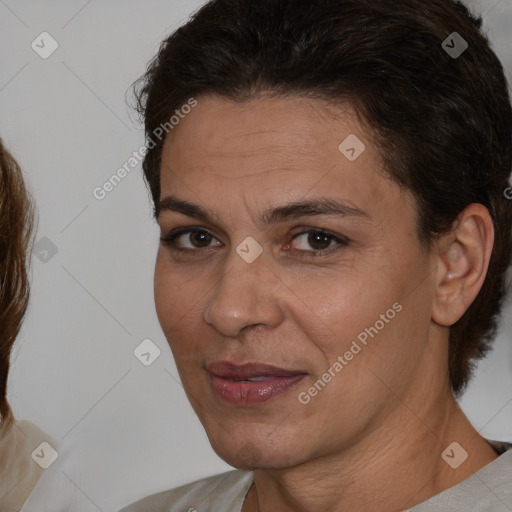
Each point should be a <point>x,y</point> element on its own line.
<point>246,294</point>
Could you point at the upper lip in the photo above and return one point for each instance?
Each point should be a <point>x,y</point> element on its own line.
<point>245,371</point>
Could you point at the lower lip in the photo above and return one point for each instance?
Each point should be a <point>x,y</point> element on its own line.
<point>246,393</point>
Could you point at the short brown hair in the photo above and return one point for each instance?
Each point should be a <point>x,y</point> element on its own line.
<point>443,122</point>
<point>16,223</point>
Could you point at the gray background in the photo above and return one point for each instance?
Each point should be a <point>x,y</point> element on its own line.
<point>129,427</point>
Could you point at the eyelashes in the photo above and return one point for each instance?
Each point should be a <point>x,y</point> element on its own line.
<point>204,238</point>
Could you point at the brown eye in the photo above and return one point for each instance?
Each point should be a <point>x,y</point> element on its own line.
<point>189,239</point>
<point>317,242</point>
<point>200,238</point>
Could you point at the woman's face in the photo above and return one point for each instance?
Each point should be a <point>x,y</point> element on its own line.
<point>337,302</point>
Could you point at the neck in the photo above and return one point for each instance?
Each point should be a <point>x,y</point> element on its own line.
<point>396,467</point>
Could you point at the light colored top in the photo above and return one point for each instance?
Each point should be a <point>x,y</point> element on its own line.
<point>19,471</point>
<point>487,490</point>
<point>31,473</point>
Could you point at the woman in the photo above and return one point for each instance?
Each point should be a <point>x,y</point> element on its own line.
<point>23,457</point>
<point>334,244</point>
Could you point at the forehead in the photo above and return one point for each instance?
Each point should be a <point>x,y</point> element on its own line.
<point>273,121</point>
<point>271,150</point>
<point>285,134</point>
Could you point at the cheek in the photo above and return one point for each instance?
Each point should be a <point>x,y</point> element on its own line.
<point>173,297</point>
<point>367,318</point>
<point>335,310</point>
<point>179,303</point>
<point>163,293</point>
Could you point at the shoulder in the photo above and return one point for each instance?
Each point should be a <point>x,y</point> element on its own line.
<point>23,457</point>
<point>487,490</point>
<point>224,492</point>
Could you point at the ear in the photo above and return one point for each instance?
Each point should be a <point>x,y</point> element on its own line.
<point>462,262</point>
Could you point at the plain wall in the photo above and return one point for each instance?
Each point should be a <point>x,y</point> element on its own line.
<point>65,118</point>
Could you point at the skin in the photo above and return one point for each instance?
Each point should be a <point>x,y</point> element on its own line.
<point>372,438</point>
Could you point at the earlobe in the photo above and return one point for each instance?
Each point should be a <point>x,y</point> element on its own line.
<point>463,260</point>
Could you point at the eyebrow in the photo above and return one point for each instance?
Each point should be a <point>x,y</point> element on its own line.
<point>290,211</point>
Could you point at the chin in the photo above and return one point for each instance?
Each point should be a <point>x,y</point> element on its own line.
<point>256,454</point>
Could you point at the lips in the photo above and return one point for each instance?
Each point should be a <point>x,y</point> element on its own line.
<point>248,371</point>
<point>251,383</point>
